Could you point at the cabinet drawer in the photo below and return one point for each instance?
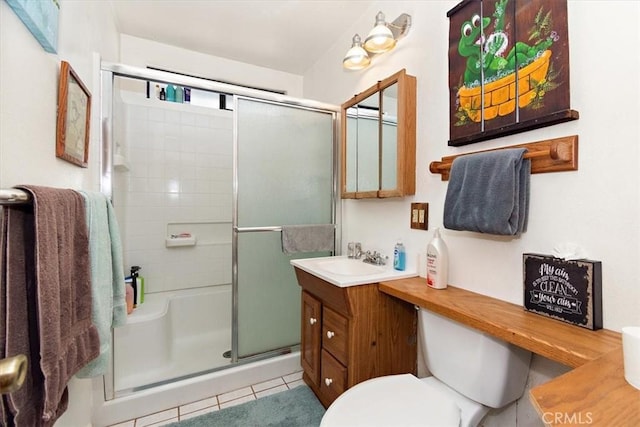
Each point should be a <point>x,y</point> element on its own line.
<point>334,334</point>
<point>333,381</point>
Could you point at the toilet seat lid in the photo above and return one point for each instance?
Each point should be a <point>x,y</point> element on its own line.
<point>390,401</point>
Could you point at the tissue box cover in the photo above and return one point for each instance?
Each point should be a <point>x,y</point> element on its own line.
<point>566,290</point>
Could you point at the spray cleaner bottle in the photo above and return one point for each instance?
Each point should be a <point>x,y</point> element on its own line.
<point>437,262</point>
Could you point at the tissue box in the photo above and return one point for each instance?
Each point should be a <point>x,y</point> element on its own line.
<point>570,291</point>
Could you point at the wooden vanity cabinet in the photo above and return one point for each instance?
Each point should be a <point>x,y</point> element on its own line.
<point>352,334</point>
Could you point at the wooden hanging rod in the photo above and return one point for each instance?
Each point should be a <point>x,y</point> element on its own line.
<point>551,155</point>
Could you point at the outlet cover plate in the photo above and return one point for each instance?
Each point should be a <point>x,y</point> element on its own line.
<point>420,216</point>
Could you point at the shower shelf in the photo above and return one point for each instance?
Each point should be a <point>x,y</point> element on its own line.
<point>551,155</point>
<point>120,163</point>
<point>171,242</point>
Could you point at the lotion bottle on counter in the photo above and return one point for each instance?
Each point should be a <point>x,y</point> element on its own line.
<point>437,262</point>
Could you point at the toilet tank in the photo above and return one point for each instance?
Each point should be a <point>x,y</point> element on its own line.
<point>482,368</point>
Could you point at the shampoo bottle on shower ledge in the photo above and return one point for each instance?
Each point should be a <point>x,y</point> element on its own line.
<point>171,93</point>
<point>129,297</point>
<point>437,262</point>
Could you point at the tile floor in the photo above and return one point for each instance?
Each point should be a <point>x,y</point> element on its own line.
<point>216,403</point>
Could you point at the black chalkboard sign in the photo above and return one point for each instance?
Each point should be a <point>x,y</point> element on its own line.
<point>570,291</point>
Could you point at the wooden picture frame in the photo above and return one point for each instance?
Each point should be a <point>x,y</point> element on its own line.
<point>508,68</point>
<point>74,114</point>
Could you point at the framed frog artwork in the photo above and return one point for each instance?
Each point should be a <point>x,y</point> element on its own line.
<point>508,68</point>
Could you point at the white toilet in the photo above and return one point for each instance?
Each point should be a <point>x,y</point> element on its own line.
<point>472,373</point>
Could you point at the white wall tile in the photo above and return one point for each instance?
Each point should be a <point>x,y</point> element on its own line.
<point>172,117</point>
<point>179,172</point>
<point>156,115</point>
<point>187,118</point>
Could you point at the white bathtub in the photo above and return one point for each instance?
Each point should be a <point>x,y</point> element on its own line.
<point>147,342</point>
<point>171,335</point>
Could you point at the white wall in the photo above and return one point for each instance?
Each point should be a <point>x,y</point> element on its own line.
<point>142,53</point>
<point>596,207</point>
<point>28,101</point>
<point>29,91</point>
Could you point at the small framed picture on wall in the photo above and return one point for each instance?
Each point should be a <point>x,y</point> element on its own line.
<point>74,113</point>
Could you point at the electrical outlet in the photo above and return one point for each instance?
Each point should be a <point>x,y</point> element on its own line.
<point>420,216</point>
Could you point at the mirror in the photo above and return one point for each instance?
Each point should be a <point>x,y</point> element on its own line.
<point>364,150</point>
<point>378,140</point>
<point>389,138</point>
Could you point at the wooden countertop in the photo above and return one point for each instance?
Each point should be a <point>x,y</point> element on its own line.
<point>594,394</point>
<point>595,390</point>
<point>562,342</point>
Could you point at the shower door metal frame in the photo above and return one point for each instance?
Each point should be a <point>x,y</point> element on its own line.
<point>109,71</point>
<point>335,201</point>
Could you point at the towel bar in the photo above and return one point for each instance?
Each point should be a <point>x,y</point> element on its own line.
<point>254,229</point>
<point>13,196</point>
<point>551,155</point>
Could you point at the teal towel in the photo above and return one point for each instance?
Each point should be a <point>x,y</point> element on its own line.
<point>107,277</point>
<point>488,192</point>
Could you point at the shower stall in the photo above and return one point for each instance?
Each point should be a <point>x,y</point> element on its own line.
<point>201,190</point>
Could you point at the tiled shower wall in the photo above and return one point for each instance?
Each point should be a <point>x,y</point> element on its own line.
<point>172,175</point>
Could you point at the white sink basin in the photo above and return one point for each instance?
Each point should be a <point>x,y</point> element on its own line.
<point>348,267</point>
<point>342,271</point>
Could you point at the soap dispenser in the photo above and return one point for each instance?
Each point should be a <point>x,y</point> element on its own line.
<point>399,256</point>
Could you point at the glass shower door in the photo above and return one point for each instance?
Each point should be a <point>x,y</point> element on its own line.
<point>284,176</point>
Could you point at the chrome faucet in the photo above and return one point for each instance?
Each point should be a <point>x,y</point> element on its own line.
<point>375,258</point>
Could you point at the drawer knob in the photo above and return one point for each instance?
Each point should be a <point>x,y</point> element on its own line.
<point>312,320</point>
<point>330,334</point>
<point>328,381</point>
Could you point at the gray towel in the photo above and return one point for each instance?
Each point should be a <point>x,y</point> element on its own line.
<point>308,238</point>
<point>488,192</point>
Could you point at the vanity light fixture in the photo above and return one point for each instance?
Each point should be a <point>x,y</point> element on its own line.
<point>356,58</point>
<point>382,38</point>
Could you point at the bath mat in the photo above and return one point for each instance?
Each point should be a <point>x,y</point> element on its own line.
<point>297,407</point>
